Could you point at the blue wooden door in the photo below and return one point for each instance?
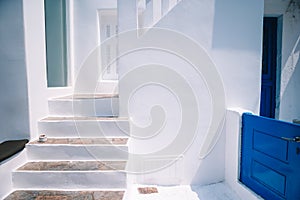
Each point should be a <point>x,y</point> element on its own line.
<point>268,80</point>
<point>270,157</point>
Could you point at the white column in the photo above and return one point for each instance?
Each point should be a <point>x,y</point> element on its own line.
<point>127,20</point>
<point>156,10</point>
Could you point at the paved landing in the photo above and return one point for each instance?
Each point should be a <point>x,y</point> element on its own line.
<point>218,191</point>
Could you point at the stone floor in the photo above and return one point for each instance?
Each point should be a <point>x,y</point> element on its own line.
<point>74,166</point>
<point>218,191</point>
<point>101,141</point>
<point>65,195</point>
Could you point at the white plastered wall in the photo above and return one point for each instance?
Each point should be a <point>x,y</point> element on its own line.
<point>231,33</point>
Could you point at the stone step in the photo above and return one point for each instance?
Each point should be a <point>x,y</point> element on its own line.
<point>85,105</point>
<point>70,175</point>
<point>65,195</point>
<point>78,149</point>
<point>84,127</point>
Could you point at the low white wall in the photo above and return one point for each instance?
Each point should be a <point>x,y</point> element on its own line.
<point>233,152</point>
<point>14,123</point>
<point>289,107</point>
<point>6,168</point>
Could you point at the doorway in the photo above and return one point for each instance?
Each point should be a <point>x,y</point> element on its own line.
<point>269,82</point>
<point>108,25</point>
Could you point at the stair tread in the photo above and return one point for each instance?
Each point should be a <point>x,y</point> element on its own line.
<point>69,118</point>
<point>87,96</point>
<point>84,141</point>
<point>68,195</point>
<point>73,166</point>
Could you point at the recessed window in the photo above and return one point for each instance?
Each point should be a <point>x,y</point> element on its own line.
<point>56,43</point>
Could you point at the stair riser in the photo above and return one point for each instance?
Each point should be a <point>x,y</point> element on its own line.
<point>64,152</point>
<point>68,180</point>
<point>84,129</point>
<point>107,87</point>
<point>84,107</point>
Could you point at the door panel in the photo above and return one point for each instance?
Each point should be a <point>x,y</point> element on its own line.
<point>270,163</point>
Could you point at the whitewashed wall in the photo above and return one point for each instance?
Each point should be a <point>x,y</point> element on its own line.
<point>231,33</point>
<point>234,44</point>
<point>289,95</point>
<point>14,123</point>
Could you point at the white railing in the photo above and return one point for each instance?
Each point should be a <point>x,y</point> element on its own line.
<point>151,11</point>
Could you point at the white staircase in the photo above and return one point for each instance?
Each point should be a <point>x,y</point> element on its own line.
<point>86,150</point>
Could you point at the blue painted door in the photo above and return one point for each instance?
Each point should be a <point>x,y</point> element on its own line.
<point>270,157</point>
<point>268,80</point>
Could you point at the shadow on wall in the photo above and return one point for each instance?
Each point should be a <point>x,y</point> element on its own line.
<point>14,120</point>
